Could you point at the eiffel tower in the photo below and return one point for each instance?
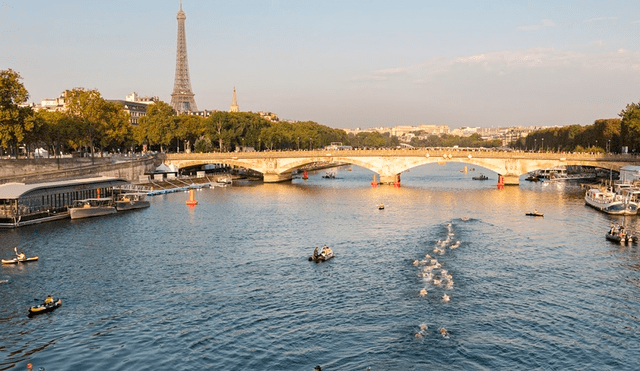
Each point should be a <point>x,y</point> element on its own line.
<point>182,97</point>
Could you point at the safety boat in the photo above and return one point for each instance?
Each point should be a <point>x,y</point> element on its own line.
<point>44,308</point>
<point>534,213</point>
<point>323,256</point>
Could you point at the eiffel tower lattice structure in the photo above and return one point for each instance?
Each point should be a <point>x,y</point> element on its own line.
<point>182,98</point>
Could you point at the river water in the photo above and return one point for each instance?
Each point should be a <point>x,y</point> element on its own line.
<point>227,285</point>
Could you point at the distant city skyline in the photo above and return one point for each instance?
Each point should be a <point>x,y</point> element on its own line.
<point>344,64</point>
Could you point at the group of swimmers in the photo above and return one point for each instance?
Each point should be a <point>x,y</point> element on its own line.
<point>430,264</point>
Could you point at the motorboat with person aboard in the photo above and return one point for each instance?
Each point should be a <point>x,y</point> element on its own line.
<point>322,255</point>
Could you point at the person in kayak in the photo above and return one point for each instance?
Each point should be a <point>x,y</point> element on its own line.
<point>19,256</point>
<point>48,300</point>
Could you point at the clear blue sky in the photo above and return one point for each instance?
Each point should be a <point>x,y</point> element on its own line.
<point>342,63</point>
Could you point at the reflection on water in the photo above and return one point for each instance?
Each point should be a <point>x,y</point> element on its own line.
<point>227,285</point>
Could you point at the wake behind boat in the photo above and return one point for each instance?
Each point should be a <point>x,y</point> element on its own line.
<point>91,207</point>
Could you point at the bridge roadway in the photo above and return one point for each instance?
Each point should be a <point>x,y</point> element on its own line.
<point>278,166</point>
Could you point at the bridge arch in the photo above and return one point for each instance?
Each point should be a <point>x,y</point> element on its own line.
<point>278,166</point>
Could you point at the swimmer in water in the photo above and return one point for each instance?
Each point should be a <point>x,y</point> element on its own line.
<point>445,298</point>
<point>423,292</point>
<point>444,332</point>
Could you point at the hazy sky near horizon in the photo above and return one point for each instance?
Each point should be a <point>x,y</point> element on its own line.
<point>343,64</point>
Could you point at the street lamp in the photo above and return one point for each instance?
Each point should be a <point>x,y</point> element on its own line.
<point>542,145</point>
<point>298,143</point>
<point>596,145</point>
<point>535,145</point>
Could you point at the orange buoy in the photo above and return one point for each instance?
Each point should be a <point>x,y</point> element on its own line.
<point>374,183</point>
<point>192,198</point>
<point>500,182</point>
<point>304,175</point>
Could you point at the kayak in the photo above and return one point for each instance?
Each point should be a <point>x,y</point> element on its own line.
<point>535,214</point>
<point>16,260</point>
<point>44,308</point>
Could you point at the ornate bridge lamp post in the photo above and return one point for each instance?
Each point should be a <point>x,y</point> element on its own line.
<point>542,150</point>
<point>535,145</point>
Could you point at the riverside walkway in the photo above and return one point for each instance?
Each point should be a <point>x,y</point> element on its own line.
<point>390,164</point>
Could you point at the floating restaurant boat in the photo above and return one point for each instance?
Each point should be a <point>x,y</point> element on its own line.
<point>25,204</point>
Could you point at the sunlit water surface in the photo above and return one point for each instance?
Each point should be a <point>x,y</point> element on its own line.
<point>227,285</point>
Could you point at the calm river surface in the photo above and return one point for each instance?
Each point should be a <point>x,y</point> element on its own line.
<point>227,285</point>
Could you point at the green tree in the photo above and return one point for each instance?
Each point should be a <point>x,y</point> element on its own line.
<point>98,123</point>
<point>158,127</point>
<point>190,128</point>
<point>15,120</point>
<point>630,126</point>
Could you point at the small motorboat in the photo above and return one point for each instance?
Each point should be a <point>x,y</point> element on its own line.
<point>44,307</point>
<point>16,260</point>
<point>480,177</point>
<point>323,256</point>
<point>534,213</point>
<point>620,237</point>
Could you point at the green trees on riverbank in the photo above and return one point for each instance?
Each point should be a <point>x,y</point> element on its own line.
<point>614,135</point>
<point>93,124</point>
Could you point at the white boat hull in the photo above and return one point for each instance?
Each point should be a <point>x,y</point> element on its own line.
<point>131,205</point>
<point>610,203</point>
<point>88,212</point>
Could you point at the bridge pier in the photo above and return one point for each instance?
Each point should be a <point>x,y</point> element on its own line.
<point>388,179</point>
<point>277,178</point>
<point>511,179</point>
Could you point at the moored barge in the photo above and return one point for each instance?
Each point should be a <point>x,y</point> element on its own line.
<point>25,204</point>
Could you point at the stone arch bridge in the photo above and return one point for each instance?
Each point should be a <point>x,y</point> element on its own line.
<point>279,166</point>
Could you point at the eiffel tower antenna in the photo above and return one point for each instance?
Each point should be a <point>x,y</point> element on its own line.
<point>182,98</point>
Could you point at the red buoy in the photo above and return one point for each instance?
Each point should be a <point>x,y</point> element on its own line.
<point>500,182</point>
<point>192,198</point>
<point>304,175</point>
<point>374,183</point>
